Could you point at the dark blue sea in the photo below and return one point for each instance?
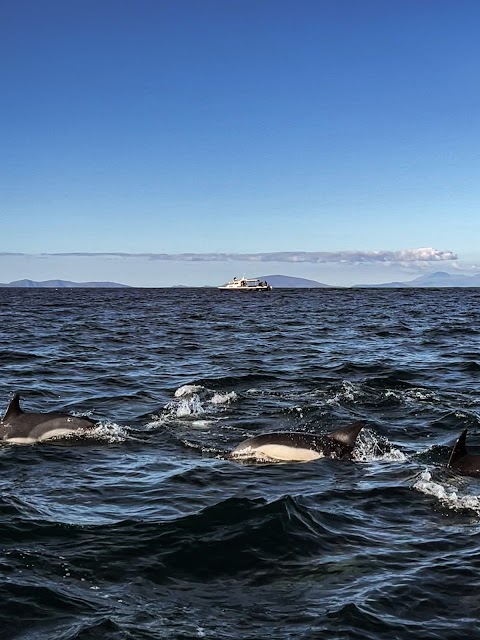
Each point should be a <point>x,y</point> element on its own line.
<point>145,529</point>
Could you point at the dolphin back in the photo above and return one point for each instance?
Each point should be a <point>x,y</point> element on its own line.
<point>459,451</point>
<point>24,427</point>
<point>13,409</point>
<point>343,440</point>
<point>348,435</point>
<point>300,446</point>
<point>467,464</point>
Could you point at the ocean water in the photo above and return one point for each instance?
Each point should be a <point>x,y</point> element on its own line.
<point>145,529</point>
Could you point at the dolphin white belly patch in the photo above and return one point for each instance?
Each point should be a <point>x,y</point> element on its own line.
<point>57,433</point>
<point>282,453</point>
<point>54,433</point>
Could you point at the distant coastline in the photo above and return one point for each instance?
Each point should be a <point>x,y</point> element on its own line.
<point>62,284</point>
<point>438,280</point>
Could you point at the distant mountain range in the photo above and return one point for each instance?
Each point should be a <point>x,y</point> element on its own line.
<point>440,279</point>
<point>63,284</point>
<point>289,282</point>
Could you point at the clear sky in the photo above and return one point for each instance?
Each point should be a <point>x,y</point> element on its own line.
<point>164,142</point>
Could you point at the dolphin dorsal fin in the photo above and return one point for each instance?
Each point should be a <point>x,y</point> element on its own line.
<point>348,435</point>
<point>459,450</point>
<point>14,409</point>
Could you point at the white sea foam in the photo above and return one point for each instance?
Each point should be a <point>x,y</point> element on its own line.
<point>108,431</point>
<point>188,390</point>
<point>223,398</point>
<point>157,421</point>
<point>191,406</point>
<point>446,495</point>
<point>202,424</point>
<point>389,393</point>
<point>414,395</point>
<point>369,446</point>
<point>82,414</point>
<point>191,400</point>
<point>349,392</point>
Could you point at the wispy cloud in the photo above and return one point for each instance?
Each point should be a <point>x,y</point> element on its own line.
<point>11,253</point>
<point>404,256</point>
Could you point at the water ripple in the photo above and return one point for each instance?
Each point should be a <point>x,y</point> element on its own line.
<point>147,528</point>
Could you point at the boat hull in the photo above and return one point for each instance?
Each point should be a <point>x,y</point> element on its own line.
<point>246,284</point>
<point>227,288</point>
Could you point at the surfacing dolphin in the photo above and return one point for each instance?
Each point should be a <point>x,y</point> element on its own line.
<point>467,464</point>
<point>19,427</point>
<point>299,447</point>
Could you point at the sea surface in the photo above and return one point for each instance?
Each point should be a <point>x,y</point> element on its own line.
<point>146,529</point>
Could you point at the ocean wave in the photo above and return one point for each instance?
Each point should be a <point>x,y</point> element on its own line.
<point>150,530</point>
<point>448,496</point>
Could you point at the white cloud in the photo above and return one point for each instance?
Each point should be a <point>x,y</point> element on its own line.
<point>403,256</point>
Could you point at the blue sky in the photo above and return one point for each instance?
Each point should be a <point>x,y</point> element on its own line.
<point>171,142</point>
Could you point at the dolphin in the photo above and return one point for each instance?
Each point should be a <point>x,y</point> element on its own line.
<point>464,463</point>
<point>19,427</point>
<point>292,446</point>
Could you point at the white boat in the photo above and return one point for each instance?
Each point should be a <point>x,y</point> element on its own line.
<point>246,284</point>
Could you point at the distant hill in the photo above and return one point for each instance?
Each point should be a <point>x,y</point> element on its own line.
<point>64,284</point>
<point>290,282</point>
<point>439,279</point>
